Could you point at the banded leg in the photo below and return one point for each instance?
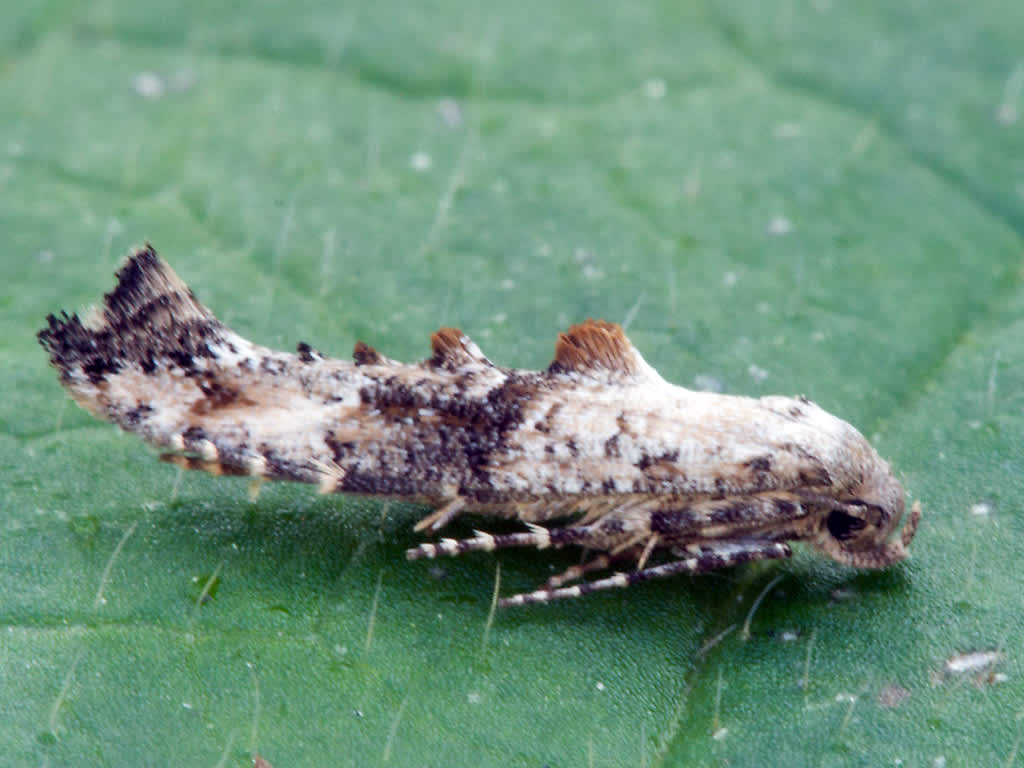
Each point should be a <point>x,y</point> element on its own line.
<point>718,555</point>
<point>537,537</point>
<point>604,561</point>
<point>599,563</point>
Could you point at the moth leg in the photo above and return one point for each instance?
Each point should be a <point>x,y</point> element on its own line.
<point>211,466</point>
<point>576,572</point>
<point>602,562</point>
<point>441,516</point>
<point>213,462</point>
<point>711,556</point>
<point>646,553</point>
<point>537,537</point>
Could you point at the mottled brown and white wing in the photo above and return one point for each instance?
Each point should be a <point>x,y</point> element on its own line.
<point>640,467</point>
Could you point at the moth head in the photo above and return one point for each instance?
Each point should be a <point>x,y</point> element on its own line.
<point>856,530</point>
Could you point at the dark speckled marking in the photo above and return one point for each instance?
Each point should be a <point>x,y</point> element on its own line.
<point>218,395</point>
<point>464,436</point>
<point>668,458</point>
<point>818,476</point>
<point>760,464</point>
<point>761,474</point>
<point>306,353</point>
<point>145,321</point>
<point>611,447</point>
<point>273,366</point>
<point>105,351</point>
<point>730,513</point>
<point>611,526</point>
<point>137,414</point>
<point>546,424</point>
<point>813,473</point>
<point>193,435</point>
<point>674,522</point>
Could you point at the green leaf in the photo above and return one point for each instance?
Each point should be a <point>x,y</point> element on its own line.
<point>793,198</point>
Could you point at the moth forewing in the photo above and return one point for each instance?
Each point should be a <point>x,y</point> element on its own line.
<point>641,473</point>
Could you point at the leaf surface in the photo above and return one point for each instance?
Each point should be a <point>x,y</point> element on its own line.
<point>805,199</point>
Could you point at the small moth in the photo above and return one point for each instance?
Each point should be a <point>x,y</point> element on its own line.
<point>597,451</point>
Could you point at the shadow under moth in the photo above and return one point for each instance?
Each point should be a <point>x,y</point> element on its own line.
<point>597,451</point>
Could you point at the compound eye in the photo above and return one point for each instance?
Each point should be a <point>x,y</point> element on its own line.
<point>843,526</point>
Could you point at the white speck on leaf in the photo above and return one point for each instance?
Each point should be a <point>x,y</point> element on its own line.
<point>149,85</point>
<point>421,161</point>
<point>655,89</point>
<point>450,113</point>
<point>972,662</point>
<point>779,225</point>
<point>788,131</point>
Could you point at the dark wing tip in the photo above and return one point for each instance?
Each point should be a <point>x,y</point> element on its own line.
<point>142,317</point>
<point>63,334</point>
<point>146,284</point>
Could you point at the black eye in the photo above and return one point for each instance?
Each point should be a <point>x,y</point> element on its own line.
<point>843,526</point>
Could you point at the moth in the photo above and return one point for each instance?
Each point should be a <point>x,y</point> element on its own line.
<point>597,451</point>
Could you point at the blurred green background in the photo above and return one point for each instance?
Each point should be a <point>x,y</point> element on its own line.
<point>799,197</point>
